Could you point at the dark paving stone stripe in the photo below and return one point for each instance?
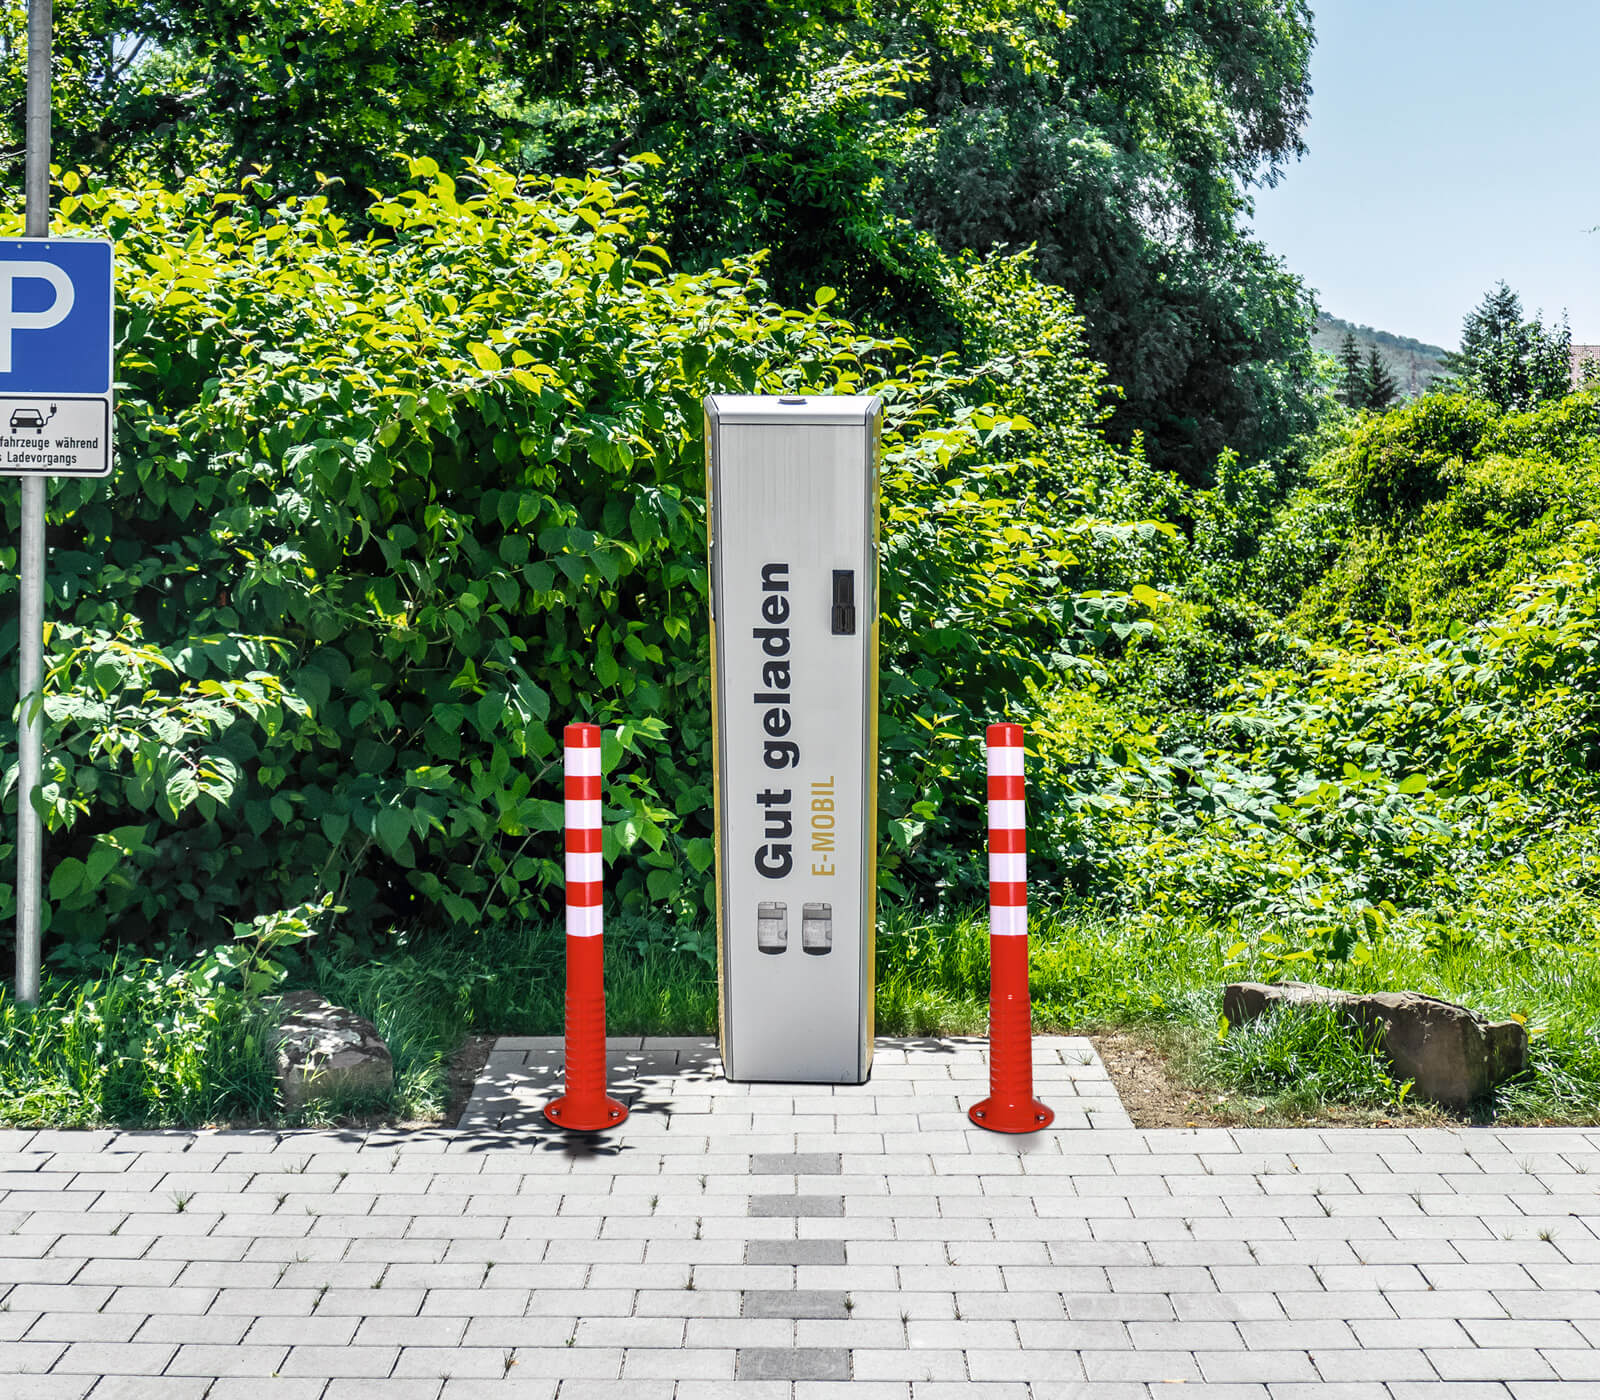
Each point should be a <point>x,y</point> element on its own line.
<point>797,1205</point>
<point>794,1252</point>
<point>813,1304</point>
<point>796,1164</point>
<point>793,1364</point>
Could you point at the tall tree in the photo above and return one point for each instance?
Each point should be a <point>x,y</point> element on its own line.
<point>334,86</point>
<point>860,140</point>
<point>1378,386</point>
<point>1353,385</point>
<point>1511,362</point>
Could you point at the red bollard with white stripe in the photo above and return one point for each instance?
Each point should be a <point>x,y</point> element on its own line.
<point>1011,1106</point>
<point>584,1106</point>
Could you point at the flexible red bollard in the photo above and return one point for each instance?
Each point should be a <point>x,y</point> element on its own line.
<point>1011,1106</point>
<point>584,1106</point>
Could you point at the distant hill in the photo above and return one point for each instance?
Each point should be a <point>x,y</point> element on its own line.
<point>1413,363</point>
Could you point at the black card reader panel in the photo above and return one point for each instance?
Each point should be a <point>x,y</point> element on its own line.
<point>844,602</point>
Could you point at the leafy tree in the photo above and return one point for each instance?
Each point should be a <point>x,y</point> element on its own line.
<point>1353,385</point>
<point>336,86</point>
<point>1378,387</point>
<point>1512,363</point>
<point>864,143</point>
<point>1118,141</point>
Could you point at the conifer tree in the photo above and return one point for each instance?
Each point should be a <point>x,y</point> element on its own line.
<point>1512,363</point>
<point>1378,387</point>
<point>1353,390</point>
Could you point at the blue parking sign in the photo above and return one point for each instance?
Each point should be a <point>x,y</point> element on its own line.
<point>56,350</point>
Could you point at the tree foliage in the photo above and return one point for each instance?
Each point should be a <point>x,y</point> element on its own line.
<point>1352,388</point>
<point>391,507</point>
<point>338,86</point>
<point>1512,363</point>
<point>863,143</point>
<point>1378,387</point>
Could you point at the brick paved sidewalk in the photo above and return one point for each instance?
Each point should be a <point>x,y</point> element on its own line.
<point>780,1242</point>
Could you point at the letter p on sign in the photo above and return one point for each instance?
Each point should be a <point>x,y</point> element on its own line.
<point>13,320</point>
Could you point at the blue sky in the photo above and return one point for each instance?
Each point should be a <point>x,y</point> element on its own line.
<point>1453,143</point>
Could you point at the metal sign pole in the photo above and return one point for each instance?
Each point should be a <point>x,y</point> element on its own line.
<point>30,635</point>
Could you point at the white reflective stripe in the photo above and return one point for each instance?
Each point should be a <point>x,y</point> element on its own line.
<point>582,763</point>
<point>1005,762</point>
<point>1008,867</point>
<point>583,814</point>
<point>1007,814</point>
<point>1007,920</point>
<point>584,922</point>
<point>584,866</point>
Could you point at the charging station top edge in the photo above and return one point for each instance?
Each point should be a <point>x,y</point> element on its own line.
<point>820,409</point>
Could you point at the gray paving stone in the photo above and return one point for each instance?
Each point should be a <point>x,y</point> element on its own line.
<point>796,1303</point>
<point>37,1387</point>
<point>796,1164</point>
<point>909,1365</point>
<point>166,1387</point>
<point>810,1252</point>
<point>1489,1364</point>
<point>394,1388</point>
<point>336,1362</point>
<point>792,1364</point>
<point>236,1360</point>
<point>115,1358</point>
<point>585,1389</point>
<point>812,1206</point>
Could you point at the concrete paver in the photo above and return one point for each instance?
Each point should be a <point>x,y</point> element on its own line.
<point>782,1242</point>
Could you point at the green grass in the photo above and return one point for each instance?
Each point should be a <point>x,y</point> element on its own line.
<point>426,1000</point>
<point>150,1045</point>
<point>1299,1060</point>
<point>1089,973</point>
<point>157,1044</point>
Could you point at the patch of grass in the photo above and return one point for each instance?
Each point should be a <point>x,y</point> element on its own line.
<point>149,1045</point>
<point>1084,971</point>
<point>425,999</point>
<point>1300,1058</point>
<point>1089,972</point>
<point>164,1045</point>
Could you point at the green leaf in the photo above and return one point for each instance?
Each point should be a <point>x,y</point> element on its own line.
<point>69,875</point>
<point>334,826</point>
<point>393,829</point>
<point>372,757</point>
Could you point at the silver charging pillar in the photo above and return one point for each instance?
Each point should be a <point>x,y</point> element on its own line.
<point>793,518</point>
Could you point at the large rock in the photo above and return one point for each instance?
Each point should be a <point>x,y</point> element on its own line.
<point>1453,1055</point>
<point>325,1050</point>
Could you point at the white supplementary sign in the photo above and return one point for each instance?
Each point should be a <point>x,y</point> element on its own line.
<point>56,306</point>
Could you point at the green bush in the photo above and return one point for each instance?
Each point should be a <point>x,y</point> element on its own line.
<point>391,508</point>
<point>1563,429</point>
<point>1395,463</point>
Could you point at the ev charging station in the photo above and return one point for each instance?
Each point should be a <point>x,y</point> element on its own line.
<point>792,486</point>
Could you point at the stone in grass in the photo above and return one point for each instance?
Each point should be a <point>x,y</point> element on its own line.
<point>1453,1055</point>
<point>325,1050</point>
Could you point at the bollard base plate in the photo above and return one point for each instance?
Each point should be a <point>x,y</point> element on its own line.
<point>1001,1116</point>
<point>585,1118</point>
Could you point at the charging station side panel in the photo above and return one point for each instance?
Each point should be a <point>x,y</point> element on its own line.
<point>869,892</point>
<point>710,441</point>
